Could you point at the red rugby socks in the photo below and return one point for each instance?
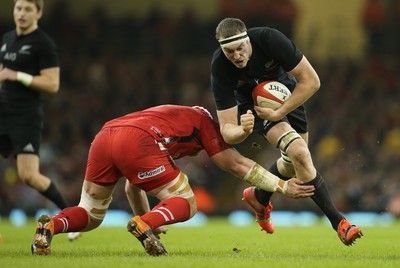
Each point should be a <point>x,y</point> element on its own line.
<point>171,210</point>
<point>73,219</point>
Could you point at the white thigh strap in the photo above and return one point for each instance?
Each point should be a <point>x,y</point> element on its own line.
<point>96,208</point>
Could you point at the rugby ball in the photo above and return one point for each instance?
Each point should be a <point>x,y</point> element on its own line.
<point>270,94</point>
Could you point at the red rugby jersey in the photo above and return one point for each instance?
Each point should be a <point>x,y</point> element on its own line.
<point>183,130</point>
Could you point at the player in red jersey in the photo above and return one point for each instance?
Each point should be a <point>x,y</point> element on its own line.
<point>141,147</point>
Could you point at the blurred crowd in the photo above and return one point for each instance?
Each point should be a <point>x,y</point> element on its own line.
<point>111,67</point>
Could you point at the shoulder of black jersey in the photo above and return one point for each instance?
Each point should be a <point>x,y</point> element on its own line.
<point>261,31</point>
<point>45,35</point>
<point>10,34</point>
<point>258,30</point>
<point>217,53</point>
<point>266,35</point>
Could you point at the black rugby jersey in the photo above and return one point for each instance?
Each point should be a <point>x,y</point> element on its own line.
<point>272,57</point>
<point>25,53</point>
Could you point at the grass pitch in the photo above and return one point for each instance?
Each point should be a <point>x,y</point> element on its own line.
<point>217,244</point>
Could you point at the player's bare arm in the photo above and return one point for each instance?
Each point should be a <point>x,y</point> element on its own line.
<point>230,130</point>
<point>48,80</point>
<point>246,169</point>
<point>4,74</point>
<point>308,84</point>
<point>139,203</point>
<point>137,199</point>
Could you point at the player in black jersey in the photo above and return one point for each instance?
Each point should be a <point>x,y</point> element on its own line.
<point>29,66</point>
<point>245,58</point>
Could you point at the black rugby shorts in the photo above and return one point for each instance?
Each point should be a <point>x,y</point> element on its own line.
<point>20,132</point>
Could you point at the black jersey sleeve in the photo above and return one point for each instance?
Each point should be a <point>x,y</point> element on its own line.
<point>222,81</point>
<point>47,53</point>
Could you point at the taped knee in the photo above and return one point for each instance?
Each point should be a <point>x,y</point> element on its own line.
<point>179,187</point>
<point>286,139</point>
<point>96,208</point>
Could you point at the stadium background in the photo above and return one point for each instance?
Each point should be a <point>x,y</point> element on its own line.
<point>121,56</point>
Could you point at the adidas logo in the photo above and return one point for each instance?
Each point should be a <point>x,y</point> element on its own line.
<point>28,148</point>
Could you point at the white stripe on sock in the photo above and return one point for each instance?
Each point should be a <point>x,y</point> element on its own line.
<point>162,213</point>
<point>65,223</point>
<point>169,212</point>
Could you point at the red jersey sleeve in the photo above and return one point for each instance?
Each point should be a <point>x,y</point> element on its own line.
<point>211,137</point>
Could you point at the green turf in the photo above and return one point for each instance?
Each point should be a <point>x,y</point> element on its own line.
<point>218,244</point>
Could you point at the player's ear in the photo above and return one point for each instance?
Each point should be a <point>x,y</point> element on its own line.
<point>39,14</point>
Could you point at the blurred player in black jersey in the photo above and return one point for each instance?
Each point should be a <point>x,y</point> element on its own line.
<point>245,58</point>
<point>29,66</point>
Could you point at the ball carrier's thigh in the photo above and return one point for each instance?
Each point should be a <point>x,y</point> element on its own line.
<point>285,138</point>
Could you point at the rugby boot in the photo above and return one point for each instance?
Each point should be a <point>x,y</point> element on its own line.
<point>145,235</point>
<point>262,212</point>
<point>41,244</point>
<point>348,233</point>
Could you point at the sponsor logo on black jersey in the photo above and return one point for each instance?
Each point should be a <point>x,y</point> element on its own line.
<point>270,65</point>
<point>240,83</point>
<point>10,56</point>
<point>25,50</point>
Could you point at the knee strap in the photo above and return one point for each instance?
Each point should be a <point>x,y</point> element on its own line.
<point>285,158</point>
<point>286,139</point>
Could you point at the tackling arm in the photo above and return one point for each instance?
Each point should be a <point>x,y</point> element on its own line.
<point>246,169</point>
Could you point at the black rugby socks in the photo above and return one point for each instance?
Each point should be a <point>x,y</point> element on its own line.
<point>54,195</point>
<point>323,199</point>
